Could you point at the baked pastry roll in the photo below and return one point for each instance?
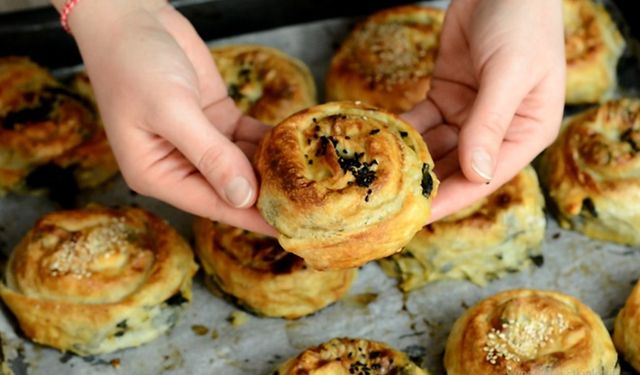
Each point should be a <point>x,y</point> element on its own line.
<point>261,276</point>
<point>530,332</point>
<point>593,46</point>
<point>264,82</point>
<point>95,280</point>
<point>350,356</point>
<point>591,172</point>
<point>499,234</point>
<point>39,120</point>
<point>388,59</point>
<point>92,163</point>
<point>344,183</point>
<point>626,332</point>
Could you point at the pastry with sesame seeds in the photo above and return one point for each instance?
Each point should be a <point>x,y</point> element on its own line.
<point>592,172</point>
<point>259,275</point>
<point>96,280</point>
<point>264,82</point>
<point>593,46</point>
<point>344,183</point>
<point>626,332</point>
<point>350,356</point>
<point>388,59</point>
<point>499,234</point>
<point>528,331</point>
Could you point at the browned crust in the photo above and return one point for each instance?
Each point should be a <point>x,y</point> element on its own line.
<point>262,276</point>
<point>66,309</point>
<point>357,356</point>
<point>265,82</point>
<point>583,346</point>
<point>385,72</point>
<point>333,216</point>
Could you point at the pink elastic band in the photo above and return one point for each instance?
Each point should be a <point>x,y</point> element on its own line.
<point>64,15</point>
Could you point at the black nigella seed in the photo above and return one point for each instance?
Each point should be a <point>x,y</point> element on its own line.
<point>403,134</point>
<point>374,131</point>
<point>588,205</point>
<point>538,260</point>
<point>427,181</point>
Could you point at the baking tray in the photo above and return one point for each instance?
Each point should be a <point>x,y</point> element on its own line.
<point>599,274</point>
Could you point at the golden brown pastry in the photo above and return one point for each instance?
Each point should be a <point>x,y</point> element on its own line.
<point>344,183</point>
<point>343,356</point>
<point>95,280</point>
<point>387,60</point>
<point>530,332</point>
<point>593,46</point>
<point>260,275</point>
<point>626,333</point>
<point>264,82</point>
<point>92,162</point>
<point>592,172</point>
<point>39,120</point>
<point>501,233</point>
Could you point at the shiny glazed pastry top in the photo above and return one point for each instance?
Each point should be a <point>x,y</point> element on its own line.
<point>592,172</point>
<point>626,332</point>
<point>387,60</point>
<point>95,280</point>
<point>264,82</point>
<point>530,332</point>
<point>342,356</point>
<point>344,183</point>
<point>593,46</point>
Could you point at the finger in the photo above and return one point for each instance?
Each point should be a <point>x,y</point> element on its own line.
<point>249,149</point>
<point>250,130</point>
<point>220,161</point>
<point>212,87</point>
<point>423,116</point>
<point>501,91</point>
<point>457,192</point>
<point>447,165</point>
<point>441,140</point>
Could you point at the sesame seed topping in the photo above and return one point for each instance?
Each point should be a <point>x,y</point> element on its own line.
<point>523,338</point>
<point>75,254</point>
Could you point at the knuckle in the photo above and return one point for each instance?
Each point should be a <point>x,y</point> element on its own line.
<point>213,161</point>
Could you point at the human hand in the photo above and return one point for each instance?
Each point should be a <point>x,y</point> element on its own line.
<point>176,134</point>
<point>496,97</point>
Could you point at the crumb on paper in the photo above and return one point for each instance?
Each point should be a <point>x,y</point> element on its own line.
<point>115,363</point>
<point>238,318</point>
<point>199,329</point>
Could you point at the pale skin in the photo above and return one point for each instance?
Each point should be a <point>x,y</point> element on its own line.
<point>497,94</point>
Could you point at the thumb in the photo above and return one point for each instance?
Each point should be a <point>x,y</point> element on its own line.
<point>500,93</point>
<point>217,158</point>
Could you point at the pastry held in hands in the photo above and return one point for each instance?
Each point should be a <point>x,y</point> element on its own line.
<point>350,356</point>
<point>388,59</point>
<point>96,280</point>
<point>530,332</point>
<point>592,172</point>
<point>499,234</point>
<point>344,183</point>
<point>593,46</point>
<point>264,82</point>
<point>256,272</point>
<point>626,332</point>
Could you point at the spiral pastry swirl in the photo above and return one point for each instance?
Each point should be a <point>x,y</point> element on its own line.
<point>260,275</point>
<point>499,234</point>
<point>388,59</point>
<point>626,333</point>
<point>592,171</point>
<point>593,46</point>
<point>530,332</point>
<point>95,280</point>
<point>264,82</point>
<point>344,183</point>
<point>39,120</point>
<point>350,356</point>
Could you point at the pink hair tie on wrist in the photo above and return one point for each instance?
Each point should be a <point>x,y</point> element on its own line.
<point>64,15</point>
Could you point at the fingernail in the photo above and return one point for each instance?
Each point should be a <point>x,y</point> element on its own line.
<point>239,192</point>
<point>482,164</point>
